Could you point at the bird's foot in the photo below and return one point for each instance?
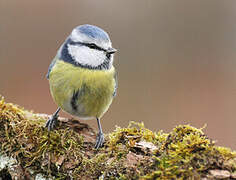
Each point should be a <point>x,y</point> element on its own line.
<point>52,122</point>
<point>99,140</point>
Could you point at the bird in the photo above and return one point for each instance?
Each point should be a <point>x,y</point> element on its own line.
<point>82,78</point>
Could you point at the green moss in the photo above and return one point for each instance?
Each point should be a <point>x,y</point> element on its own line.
<point>24,137</point>
<point>135,132</point>
<point>186,152</point>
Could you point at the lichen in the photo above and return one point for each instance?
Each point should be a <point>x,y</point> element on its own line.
<point>134,152</point>
<point>6,161</point>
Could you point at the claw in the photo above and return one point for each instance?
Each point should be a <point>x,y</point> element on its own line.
<point>99,140</point>
<point>52,121</point>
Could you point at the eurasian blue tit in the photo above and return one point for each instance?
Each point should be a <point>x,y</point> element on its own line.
<point>82,77</point>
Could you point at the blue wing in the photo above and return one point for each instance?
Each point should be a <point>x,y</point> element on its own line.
<point>50,67</point>
<point>116,84</point>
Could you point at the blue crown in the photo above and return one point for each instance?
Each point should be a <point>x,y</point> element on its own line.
<point>93,32</point>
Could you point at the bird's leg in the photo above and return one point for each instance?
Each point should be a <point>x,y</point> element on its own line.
<point>100,136</point>
<point>52,121</point>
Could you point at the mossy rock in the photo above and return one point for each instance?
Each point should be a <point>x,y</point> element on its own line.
<point>128,153</point>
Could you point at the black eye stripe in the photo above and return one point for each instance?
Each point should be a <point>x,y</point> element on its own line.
<point>94,46</point>
<point>90,45</point>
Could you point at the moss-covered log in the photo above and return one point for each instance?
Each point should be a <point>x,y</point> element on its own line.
<point>29,151</point>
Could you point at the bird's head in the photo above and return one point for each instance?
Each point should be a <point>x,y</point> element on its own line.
<point>88,46</point>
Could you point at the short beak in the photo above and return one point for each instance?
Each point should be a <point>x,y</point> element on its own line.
<point>111,50</point>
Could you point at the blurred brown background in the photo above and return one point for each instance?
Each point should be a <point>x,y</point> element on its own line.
<point>176,59</point>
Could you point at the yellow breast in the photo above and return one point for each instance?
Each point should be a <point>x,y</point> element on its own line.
<point>80,91</point>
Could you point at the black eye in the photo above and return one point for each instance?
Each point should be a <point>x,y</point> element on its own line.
<point>93,46</point>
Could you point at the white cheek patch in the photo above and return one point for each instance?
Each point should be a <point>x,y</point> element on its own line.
<point>86,56</point>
